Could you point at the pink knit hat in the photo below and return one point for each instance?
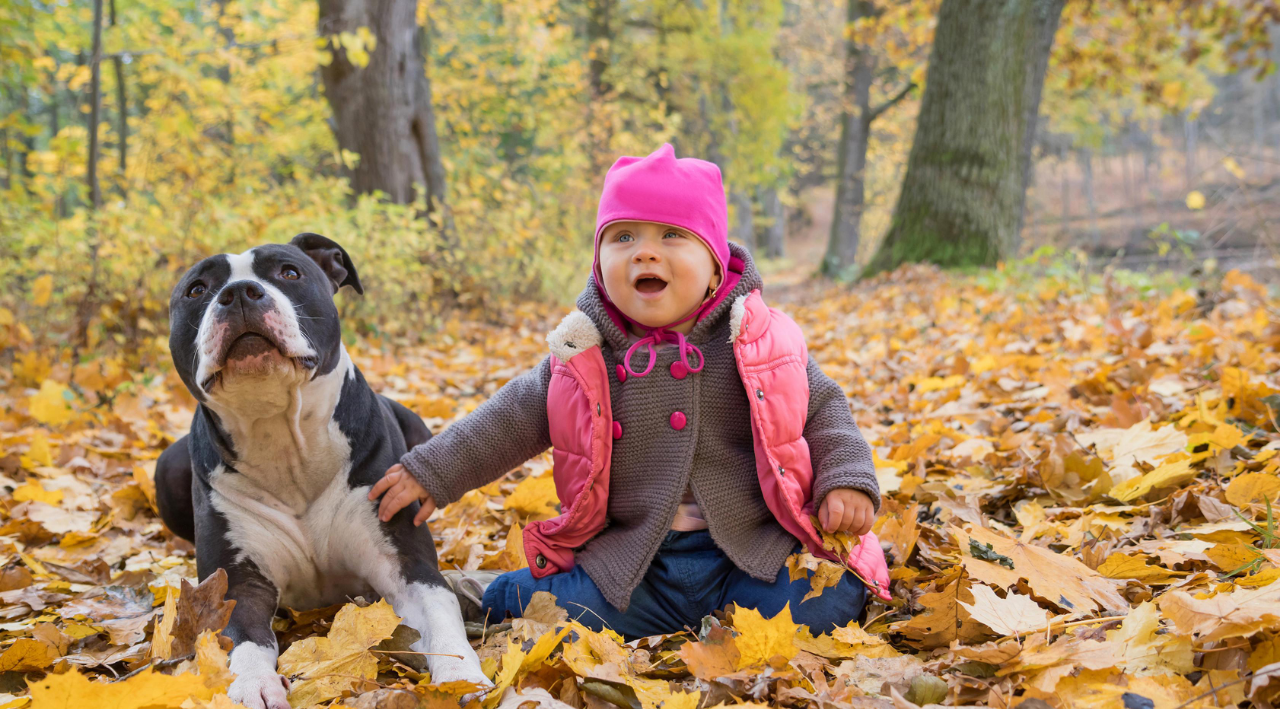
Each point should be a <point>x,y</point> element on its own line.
<point>685,192</point>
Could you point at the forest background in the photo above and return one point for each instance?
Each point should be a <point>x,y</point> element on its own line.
<point>1074,426</point>
<point>220,125</point>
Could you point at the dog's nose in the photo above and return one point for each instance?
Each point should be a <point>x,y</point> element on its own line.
<point>242,289</point>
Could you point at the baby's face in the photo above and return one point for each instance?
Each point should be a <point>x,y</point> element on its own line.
<point>654,273</point>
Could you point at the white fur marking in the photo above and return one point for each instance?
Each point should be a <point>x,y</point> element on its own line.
<point>433,611</point>
<point>257,684</point>
<point>574,335</point>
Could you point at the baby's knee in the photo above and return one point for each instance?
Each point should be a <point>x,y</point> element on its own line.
<point>835,608</point>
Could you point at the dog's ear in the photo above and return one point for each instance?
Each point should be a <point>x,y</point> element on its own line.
<point>333,260</point>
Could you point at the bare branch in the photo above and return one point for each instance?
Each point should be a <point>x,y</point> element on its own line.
<point>875,112</point>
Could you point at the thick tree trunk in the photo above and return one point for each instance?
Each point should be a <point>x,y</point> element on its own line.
<point>382,111</point>
<point>962,197</point>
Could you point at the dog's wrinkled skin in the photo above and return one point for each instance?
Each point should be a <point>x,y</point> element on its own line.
<point>272,482</point>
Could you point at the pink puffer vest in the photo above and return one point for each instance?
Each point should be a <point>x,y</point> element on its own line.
<point>772,359</point>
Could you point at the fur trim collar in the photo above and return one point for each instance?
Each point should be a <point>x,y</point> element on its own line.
<point>736,312</point>
<point>574,335</point>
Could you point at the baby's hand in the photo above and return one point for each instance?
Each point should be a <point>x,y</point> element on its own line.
<point>846,510</point>
<point>401,490</point>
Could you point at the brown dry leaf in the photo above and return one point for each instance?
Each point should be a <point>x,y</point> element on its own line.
<point>1057,577</point>
<point>827,576</point>
<point>713,657</point>
<point>1239,613</point>
<point>195,610</point>
<point>944,618</point>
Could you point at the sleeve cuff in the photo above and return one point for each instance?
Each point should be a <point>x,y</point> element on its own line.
<point>420,469</point>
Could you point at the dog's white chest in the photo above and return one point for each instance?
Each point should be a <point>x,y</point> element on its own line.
<point>319,557</point>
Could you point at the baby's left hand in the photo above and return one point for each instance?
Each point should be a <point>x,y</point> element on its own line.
<point>847,510</point>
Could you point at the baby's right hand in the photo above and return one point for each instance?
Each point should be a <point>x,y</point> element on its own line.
<point>401,489</point>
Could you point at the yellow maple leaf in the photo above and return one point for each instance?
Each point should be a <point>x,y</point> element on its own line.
<point>517,662</point>
<point>52,404</point>
<point>33,490</point>
<point>1253,487</point>
<point>1166,475</point>
<point>764,641</point>
<point>28,655</point>
<point>145,689</point>
<point>323,668</point>
<point>534,498</point>
<point>1122,566</point>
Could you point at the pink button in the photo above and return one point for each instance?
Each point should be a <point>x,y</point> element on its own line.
<point>622,374</point>
<point>678,421</point>
<point>617,430</point>
<point>679,370</point>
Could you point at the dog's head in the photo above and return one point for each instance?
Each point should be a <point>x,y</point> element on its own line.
<point>235,319</point>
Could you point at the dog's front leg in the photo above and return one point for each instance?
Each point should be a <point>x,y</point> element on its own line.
<point>253,657</point>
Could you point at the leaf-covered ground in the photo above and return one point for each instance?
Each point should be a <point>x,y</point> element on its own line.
<point>1078,479</point>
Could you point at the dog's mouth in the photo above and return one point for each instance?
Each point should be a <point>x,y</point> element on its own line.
<point>252,353</point>
<point>248,345</point>
<point>650,284</point>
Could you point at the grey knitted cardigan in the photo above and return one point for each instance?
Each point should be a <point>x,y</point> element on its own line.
<point>653,463</point>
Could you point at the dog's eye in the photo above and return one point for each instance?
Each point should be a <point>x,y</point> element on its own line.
<point>196,290</point>
<point>289,273</point>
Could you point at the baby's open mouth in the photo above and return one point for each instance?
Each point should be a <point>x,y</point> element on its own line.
<point>650,284</point>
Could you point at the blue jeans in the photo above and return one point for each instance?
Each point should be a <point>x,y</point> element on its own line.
<point>689,578</point>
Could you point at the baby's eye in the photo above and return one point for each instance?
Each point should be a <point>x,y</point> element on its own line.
<point>672,235</point>
<point>625,237</point>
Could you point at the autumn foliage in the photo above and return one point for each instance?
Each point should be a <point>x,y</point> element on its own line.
<point>1079,479</point>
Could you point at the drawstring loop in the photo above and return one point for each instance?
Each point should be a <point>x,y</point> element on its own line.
<point>657,336</point>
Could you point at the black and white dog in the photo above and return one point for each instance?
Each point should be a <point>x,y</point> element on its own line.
<point>272,482</point>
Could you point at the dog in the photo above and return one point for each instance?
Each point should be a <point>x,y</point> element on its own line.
<point>271,483</point>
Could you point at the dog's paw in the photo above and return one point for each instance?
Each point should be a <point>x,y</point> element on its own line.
<point>451,670</point>
<point>266,690</point>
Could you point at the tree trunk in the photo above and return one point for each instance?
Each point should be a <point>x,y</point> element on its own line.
<point>95,104</point>
<point>122,108</point>
<point>1047,13</point>
<point>962,197</point>
<point>382,111</point>
<point>846,221</point>
<point>599,40</point>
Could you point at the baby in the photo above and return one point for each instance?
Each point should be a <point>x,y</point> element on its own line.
<point>692,434</point>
